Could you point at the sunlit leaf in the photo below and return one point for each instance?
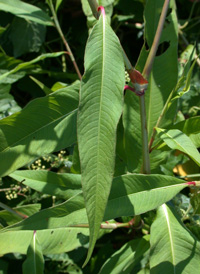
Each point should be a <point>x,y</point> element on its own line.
<point>34,263</point>
<point>173,248</point>
<point>26,11</point>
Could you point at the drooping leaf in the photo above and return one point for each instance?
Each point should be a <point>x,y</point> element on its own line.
<point>26,11</point>
<point>25,65</point>
<point>34,263</point>
<point>45,125</point>
<point>126,258</point>
<point>64,185</point>
<point>176,139</point>
<point>101,99</point>
<point>173,248</point>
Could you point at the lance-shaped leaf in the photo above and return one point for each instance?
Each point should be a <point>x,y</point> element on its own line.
<point>64,185</point>
<point>173,248</point>
<point>101,99</point>
<point>34,263</point>
<point>45,125</point>
<point>176,139</point>
<point>26,11</point>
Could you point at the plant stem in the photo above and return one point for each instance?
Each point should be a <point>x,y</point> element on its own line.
<point>57,25</point>
<point>146,72</point>
<point>149,63</point>
<point>19,214</point>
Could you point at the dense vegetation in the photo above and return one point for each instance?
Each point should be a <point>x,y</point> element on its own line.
<point>99,136</point>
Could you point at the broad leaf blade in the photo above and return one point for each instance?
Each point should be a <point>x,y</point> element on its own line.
<point>173,248</point>
<point>23,135</point>
<point>100,108</point>
<point>34,263</point>
<point>64,185</point>
<point>26,11</point>
<point>176,139</point>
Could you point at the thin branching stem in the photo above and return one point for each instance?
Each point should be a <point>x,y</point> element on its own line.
<point>57,25</point>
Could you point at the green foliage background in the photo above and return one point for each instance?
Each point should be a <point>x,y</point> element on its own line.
<point>39,157</point>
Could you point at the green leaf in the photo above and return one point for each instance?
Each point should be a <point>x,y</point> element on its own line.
<point>64,185</point>
<point>101,99</point>
<point>191,127</point>
<point>127,197</point>
<point>52,241</point>
<point>173,248</point>
<point>26,36</point>
<point>58,3</point>
<point>34,263</point>
<point>25,65</point>
<point>23,135</point>
<point>10,218</point>
<point>176,139</point>
<point>126,258</point>
<point>131,194</point>
<point>26,11</point>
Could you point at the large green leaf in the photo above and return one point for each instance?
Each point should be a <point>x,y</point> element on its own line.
<point>34,263</point>
<point>26,11</point>
<point>176,139</point>
<point>101,99</point>
<point>173,248</point>
<point>131,194</point>
<point>52,241</point>
<point>64,185</point>
<point>45,125</point>
<point>126,258</point>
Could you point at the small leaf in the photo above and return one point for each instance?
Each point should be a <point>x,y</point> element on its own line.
<point>34,263</point>
<point>173,248</point>
<point>26,11</point>
<point>101,99</point>
<point>176,139</point>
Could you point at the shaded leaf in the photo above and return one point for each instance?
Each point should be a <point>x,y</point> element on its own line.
<point>173,248</point>
<point>26,11</point>
<point>34,263</point>
<point>23,135</point>
<point>26,36</point>
<point>25,65</point>
<point>126,258</point>
<point>101,99</point>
